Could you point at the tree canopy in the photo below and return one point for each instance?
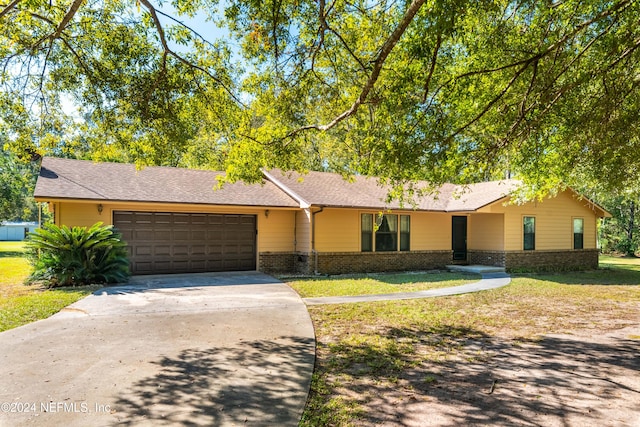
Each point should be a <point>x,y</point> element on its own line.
<point>441,90</point>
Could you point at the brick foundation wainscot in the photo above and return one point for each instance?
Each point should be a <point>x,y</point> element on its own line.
<point>538,260</point>
<point>276,262</point>
<point>369,262</point>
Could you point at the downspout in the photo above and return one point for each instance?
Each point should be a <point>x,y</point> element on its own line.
<point>313,240</point>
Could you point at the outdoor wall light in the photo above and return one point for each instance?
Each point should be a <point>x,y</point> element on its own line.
<point>100,208</point>
<point>266,213</point>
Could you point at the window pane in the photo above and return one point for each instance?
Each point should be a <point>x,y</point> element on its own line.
<point>404,232</point>
<point>578,233</point>
<point>366,233</point>
<point>367,222</point>
<point>529,225</point>
<point>387,234</point>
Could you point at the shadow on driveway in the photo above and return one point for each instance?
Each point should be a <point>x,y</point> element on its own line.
<point>194,388</point>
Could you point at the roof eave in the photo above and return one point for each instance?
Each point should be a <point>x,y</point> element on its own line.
<point>44,199</point>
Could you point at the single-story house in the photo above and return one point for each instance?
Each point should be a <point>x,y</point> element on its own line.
<point>174,221</point>
<point>16,231</point>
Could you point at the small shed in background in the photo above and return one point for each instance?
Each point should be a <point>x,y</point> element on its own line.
<point>16,231</point>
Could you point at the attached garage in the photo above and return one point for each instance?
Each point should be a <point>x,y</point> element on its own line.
<point>175,242</point>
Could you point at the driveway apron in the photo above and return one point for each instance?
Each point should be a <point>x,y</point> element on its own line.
<point>204,349</point>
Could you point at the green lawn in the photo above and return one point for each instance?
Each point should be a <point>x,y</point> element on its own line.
<point>364,349</point>
<point>21,304</point>
<point>383,283</point>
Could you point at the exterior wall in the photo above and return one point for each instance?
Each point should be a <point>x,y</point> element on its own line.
<point>485,232</point>
<point>559,260</point>
<point>275,231</point>
<point>573,260</point>
<point>484,257</point>
<point>364,262</point>
<point>303,231</point>
<point>430,231</point>
<point>337,230</point>
<point>554,222</point>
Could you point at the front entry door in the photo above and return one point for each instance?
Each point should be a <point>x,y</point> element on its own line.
<point>459,237</point>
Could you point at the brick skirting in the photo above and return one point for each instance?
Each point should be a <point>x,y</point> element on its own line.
<point>568,260</point>
<point>285,262</point>
<point>365,262</point>
<point>276,262</point>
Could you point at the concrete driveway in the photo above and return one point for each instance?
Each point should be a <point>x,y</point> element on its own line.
<point>204,349</point>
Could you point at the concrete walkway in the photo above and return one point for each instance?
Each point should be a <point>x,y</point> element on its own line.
<point>217,349</point>
<point>488,281</point>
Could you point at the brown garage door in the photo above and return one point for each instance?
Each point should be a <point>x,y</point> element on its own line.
<point>170,242</point>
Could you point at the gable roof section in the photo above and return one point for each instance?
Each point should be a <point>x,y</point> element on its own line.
<point>475,196</point>
<point>87,180</point>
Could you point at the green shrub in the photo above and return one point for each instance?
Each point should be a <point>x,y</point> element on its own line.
<point>63,256</point>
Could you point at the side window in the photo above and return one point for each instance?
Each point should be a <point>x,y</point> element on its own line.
<point>366,232</point>
<point>578,233</point>
<point>529,227</point>
<point>405,228</point>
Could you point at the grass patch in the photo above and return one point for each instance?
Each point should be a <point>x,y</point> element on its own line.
<point>21,304</point>
<point>373,349</point>
<point>384,283</point>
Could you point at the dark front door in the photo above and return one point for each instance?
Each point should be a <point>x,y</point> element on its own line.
<point>459,237</point>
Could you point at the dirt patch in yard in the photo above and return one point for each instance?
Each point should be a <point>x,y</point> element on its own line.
<point>586,378</point>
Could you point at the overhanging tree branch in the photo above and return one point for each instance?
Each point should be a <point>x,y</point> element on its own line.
<point>378,63</point>
<point>9,7</point>
<point>169,51</point>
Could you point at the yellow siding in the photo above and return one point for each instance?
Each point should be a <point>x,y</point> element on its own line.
<point>485,232</point>
<point>81,214</point>
<point>275,232</point>
<point>337,230</point>
<point>554,222</point>
<point>430,231</point>
<point>303,230</point>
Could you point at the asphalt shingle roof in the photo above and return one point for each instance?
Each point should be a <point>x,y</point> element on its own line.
<point>81,179</point>
<point>330,189</point>
<point>86,180</point>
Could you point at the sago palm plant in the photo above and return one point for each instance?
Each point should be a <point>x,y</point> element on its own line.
<point>63,256</point>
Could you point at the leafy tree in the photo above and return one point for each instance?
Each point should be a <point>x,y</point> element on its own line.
<point>446,90</point>
<point>17,181</point>
<point>63,256</point>
<point>621,233</point>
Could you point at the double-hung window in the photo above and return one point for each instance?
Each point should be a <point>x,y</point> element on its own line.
<point>529,238</point>
<point>578,233</point>
<point>391,234</point>
<point>366,232</point>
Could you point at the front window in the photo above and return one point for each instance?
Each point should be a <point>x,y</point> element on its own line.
<point>366,233</point>
<point>578,233</point>
<point>529,226</point>
<point>387,234</point>
<point>393,233</point>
